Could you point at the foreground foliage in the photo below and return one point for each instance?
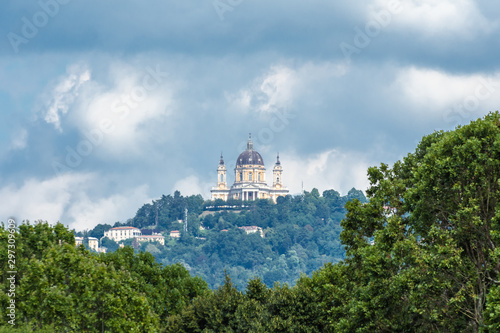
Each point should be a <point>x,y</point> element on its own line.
<point>68,289</point>
<point>433,219</point>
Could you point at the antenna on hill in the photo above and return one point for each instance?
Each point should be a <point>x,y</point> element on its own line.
<point>186,220</point>
<point>302,187</point>
<point>156,218</point>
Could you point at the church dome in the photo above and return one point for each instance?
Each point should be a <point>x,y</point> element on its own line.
<point>249,156</point>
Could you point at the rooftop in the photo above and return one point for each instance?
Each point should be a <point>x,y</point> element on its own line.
<point>253,227</point>
<point>124,228</point>
<point>151,236</point>
<point>249,156</point>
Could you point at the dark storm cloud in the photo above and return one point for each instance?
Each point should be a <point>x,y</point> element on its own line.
<point>312,30</point>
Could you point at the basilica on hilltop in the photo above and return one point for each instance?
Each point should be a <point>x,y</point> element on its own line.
<point>250,178</point>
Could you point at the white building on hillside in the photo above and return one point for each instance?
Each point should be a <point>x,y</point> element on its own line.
<point>78,241</point>
<point>151,238</point>
<point>252,230</point>
<point>94,244</point>
<point>121,233</point>
<point>92,241</point>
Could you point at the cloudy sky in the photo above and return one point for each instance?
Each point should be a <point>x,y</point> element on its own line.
<point>106,105</point>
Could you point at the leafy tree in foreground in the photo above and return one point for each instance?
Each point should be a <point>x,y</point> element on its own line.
<point>259,309</point>
<point>422,254</point>
<point>64,288</point>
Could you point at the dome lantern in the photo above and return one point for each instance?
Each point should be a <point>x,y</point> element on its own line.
<point>249,143</point>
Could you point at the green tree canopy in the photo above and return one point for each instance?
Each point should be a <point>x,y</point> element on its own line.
<point>62,288</point>
<point>422,254</point>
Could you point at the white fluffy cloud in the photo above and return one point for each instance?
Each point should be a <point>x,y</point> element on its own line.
<point>192,185</point>
<point>282,85</point>
<point>267,93</point>
<point>276,89</point>
<point>40,199</point>
<point>457,18</point>
<point>86,212</point>
<point>432,91</point>
<point>65,198</point>
<point>126,110</point>
<point>330,169</point>
<point>118,109</point>
<point>60,98</point>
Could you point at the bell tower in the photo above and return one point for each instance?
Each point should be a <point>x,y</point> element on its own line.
<point>277,174</point>
<point>221,174</point>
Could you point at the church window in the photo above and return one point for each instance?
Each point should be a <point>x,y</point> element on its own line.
<point>221,178</point>
<point>259,177</point>
<point>278,179</point>
<point>250,176</point>
<point>241,176</point>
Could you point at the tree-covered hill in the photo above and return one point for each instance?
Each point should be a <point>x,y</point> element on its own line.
<point>301,233</point>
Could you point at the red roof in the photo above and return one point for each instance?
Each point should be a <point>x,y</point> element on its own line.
<point>124,228</point>
<point>253,227</point>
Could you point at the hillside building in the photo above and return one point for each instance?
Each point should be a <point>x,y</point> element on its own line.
<point>78,241</point>
<point>250,178</point>
<point>151,238</point>
<point>121,233</point>
<point>252,230</point>
<point>94,244</point>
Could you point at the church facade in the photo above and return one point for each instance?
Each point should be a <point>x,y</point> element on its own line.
<point>250,178</point>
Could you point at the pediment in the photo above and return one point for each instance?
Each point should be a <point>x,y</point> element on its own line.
<point>252,186</point>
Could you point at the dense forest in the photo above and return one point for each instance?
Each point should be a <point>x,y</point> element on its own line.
<point>421,255</point>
